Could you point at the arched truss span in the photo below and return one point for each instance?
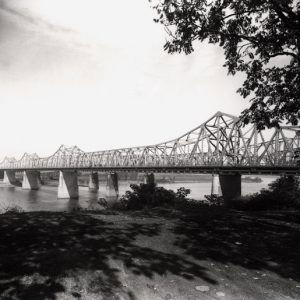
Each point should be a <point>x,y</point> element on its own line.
<point>220,141</point>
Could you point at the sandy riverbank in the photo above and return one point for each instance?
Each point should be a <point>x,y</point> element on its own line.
<point>155,255</point>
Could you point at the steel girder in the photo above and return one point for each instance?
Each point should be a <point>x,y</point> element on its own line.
<point>220,141</point>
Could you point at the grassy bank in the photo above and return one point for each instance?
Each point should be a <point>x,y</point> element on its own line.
<point>158,254</point>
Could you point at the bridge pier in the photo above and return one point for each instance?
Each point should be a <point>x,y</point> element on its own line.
<point>9,177</point>
<point>68,185</point>
<point>149,178</point>
<point>94,182</point>
<point>231,186</point>
<point>31,180</point>
<point>40,181</point>
<point>215,185</point>
<point>112,188</point>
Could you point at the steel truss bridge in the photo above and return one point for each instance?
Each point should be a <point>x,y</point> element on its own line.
<point>221,144</point>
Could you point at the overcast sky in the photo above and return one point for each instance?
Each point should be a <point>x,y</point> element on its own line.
<point>93,73</point>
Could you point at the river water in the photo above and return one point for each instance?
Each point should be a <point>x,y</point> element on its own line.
<point>45,199</point>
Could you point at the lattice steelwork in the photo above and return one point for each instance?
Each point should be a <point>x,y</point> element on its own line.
<point>220,141</point>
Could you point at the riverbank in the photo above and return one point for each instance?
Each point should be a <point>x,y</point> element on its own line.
<point>45,199</point>
<point>159,254</point>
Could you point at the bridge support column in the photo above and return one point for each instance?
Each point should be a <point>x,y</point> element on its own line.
<point>215,185</point>
<point>9,177</point>
<point>112,188</point>
<point>93,182</point>
<point>40,180</point>
<point>231,186</point>
<point>68,185</point>
<point>31,180</point>
<point>149,178</point>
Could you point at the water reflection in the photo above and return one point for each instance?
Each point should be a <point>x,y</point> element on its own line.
<point>31,197</point>
<point>73,205</point>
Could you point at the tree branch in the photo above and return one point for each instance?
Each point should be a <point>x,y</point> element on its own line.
<point>245,12</point>
<point>284,53</point>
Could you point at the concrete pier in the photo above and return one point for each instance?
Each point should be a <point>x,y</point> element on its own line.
<point>231,186</point>
<point>112,186</point>
<point>112,189</point>
<point>149,178</point>
<point>94,182</point>
<point>40,181</point>
<point>215,185</point>
<point>31,180</point>
<point>68,185</point>
<point>9,177</point>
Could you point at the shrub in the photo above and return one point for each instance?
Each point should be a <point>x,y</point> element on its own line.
<point>214,200</point>
<point>182,193</point>
<point>13,209</point>
<point>149,195</point>
<point>284,192</point>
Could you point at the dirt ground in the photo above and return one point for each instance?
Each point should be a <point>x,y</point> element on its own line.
<point>157,254</point>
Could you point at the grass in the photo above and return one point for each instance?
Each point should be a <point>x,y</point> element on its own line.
<point>150,254</point>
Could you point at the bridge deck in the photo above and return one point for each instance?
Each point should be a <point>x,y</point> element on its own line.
<point>267,170</point>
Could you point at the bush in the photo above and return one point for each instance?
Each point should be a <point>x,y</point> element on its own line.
<point>12,209</point>
<point>282,193</point>
<point>149,195</point>
<point>214,200</point>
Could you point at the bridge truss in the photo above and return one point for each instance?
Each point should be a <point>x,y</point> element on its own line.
<point>220,141</point>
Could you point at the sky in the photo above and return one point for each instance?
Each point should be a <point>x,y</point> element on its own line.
<point>93,73</point>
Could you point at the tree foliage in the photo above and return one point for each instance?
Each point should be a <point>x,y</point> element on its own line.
<point>150,195</point>
<point>282,193</point>
<point>260,38</point>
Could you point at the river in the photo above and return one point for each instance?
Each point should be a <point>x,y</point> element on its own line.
<point>45,199</point>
